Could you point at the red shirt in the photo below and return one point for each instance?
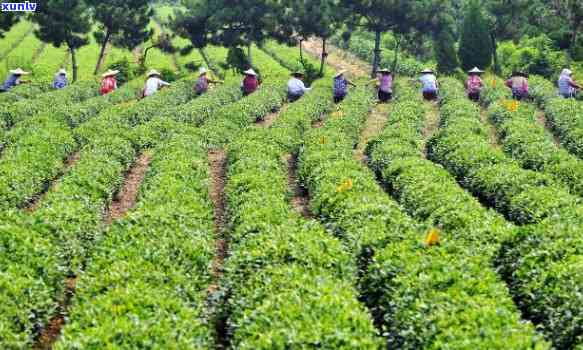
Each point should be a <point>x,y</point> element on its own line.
<point>108,84</point>
<point>250,84</point>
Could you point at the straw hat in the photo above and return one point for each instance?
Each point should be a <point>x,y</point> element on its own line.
<point>153,72</point>
<point>384,70</point>
<point>110,73</point>
<point>62,72</point>
<point>18,71</point>
<point>476,70</point>
<point>427,71</point>
<point>340,72</point>
<point>250,72</point>
<point>296,73</point>
<point>202,71</point>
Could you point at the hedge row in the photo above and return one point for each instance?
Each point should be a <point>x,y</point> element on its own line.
<point>47,103</point>
<point>538,262</point>
<point>24,92</point>
<point>72,215</point>
<point>564,116</point>
<point>344,193</point>
<point>280,261</point>
<point>30,278</point>
<point>70,218</point>
<point>348,199</point>
<point>452,281</point>
<point>462,147</point>
<point>147,279</point>
<point>37,148</point>
<point>529,143</point>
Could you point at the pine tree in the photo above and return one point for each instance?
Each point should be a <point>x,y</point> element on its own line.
<point>447,61</point>
<point>475,45</point>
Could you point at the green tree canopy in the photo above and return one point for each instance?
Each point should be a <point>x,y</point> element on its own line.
<point>63,22</point>
<point>124,23</point>
<point>475,48</point>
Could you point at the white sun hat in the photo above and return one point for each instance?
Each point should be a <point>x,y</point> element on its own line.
<point>62,72</point>
<point>566,71</point>
<point>110,73</point>
<point>427,71</point>
<point>476,70</point>
<point>341,72</point>
<point>18,71</point>
<point>384,70</point>
<point>250,72</point>
<point>202,71</point>
<point>153,72</point>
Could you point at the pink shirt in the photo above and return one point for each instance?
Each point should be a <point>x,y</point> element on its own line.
<point>386,83</point>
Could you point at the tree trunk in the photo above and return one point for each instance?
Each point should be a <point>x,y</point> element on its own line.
<point>574,42</point>
<point>495,54</point>
<point>323,59</point>
<point>102,52</point>
<point>74,64</point>
<point>301,50</point>
<point>145,55</point>
<point>377,53</point>
<point>396,55</point>
<point>249,55</point>
<point>205,57</point>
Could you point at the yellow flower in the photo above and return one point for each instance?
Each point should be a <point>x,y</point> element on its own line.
<point>346,185</point>
<point>338,114</point>
<point>432,237</point>
<point>511,105</point>
<point>323,140</point>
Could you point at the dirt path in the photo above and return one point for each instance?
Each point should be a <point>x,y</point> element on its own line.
<point>337,58</point>
<point>37,200</point>
<point>218,166</point>
<point>127,196</point>
<point>51,333</point>
<point>301,198</point>
<point>492,133</point>
<point>432,120</point>
<point>542,120</point>
<point>269,119</point>
<point>375,124</point>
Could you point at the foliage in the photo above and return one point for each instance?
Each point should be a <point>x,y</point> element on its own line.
<point>475,49</point>
<point>445,53</point>
<point>532,55</point>
<point>7,20</point>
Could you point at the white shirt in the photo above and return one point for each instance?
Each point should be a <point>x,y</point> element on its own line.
<point>153,84</point>
<point>429,82</point>
<point>296,87</point>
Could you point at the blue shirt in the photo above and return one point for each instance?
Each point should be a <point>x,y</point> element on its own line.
<point>429,82</point>
<point>60,82</point>
<point>11,82</point>
<point>340,86</point>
